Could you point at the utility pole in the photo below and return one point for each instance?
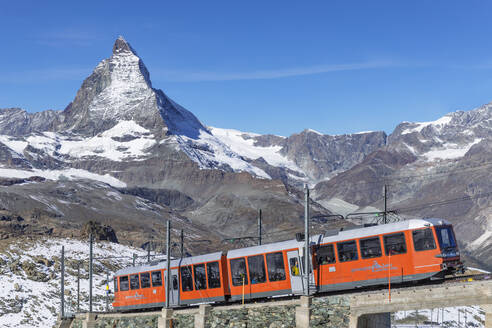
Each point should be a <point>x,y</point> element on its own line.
<point>306,238</point>
<point>168,262</point>
<point>107,291</point>
<point>91,241</point>
<point>148,253</point>
<point>259,226</point>
<point>182,243</point>
<point>78,287</point>
<point>385,203</point>
<point>62,284</point>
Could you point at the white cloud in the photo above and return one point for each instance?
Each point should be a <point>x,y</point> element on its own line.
<point>197,76</point>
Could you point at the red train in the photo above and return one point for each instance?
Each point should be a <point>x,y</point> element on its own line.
<point>410,250</point>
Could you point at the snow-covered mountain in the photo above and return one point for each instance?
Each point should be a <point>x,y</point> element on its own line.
<point>448,138</point>
<point>117,115</point>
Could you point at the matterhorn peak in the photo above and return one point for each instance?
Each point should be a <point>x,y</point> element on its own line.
<point>121,45</point>
<point>119,89</point>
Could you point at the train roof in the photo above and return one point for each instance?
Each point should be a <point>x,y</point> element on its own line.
<point>273,247</point>
<point>174,263</point>
<point>265,248</point>
<point>383,229</point>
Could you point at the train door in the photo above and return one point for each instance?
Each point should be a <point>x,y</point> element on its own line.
<point>295,272</point>
<point>174,290</point>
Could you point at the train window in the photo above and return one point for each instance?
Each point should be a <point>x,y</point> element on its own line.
<point>275,266</point>
<point>446,237</point>
<point>115,281</point>
<point>134,282</point>
<point>395,244</point>
<point>294,266</point>
<point>238,272</point>
<point>186,278</point>
<point>347,251</point>
<point>370,247</point>
<point>145,280</point>
<point>325,254</point>
<point>175,282</point>
<point>213,273</point>
<point>156,279</point>
<point>423,239</point>
<point>124,283</point>
<point>200,277</point>
<point>256,265</point>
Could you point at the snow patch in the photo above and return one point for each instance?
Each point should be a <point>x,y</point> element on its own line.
<point>437,124</point>
<point>412,149</point>
<point>339,206</point>
<point>114,195</point>
<point>71,174</point>
<point>125,128</point>
<point>102,145</point>
<point>450,317</point>
<point>237,143</point>
<point>484,239</point>
<point>314,131</point>
<point>210,152</point>
<point>14,143</point>
<point>449,151</point>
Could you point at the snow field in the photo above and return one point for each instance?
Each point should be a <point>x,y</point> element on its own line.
<point>71,174</point>
<point>451,317</point>
<point>36,303</point>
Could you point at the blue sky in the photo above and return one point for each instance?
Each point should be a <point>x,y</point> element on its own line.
<point>262,66</point>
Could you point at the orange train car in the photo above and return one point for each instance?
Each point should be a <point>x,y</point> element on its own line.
<point>410,250</point>
<point>194,280</point>
<point>265,270</point>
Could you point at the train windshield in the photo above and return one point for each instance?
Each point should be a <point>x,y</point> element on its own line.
<point>445,236</point>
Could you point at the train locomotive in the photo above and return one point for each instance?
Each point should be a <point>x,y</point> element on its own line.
<point>412,250</point>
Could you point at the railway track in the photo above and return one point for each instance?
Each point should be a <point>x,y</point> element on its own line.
<point>469,278</point>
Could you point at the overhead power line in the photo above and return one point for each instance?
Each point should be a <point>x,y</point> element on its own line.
<point>391,177</point>
<point>441,203</point>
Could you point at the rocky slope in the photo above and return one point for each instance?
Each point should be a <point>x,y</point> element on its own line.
<point>30,278</point>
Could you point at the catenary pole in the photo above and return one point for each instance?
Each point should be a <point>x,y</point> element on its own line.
<point>168,262</point>
<point>107,291</point>
<point>259,226</point>
<point>148,253</point>
<point>385,203</point>
<point>306,237</point>
<point>78,287</point>
<point>182,243</point>
<point>91,241</point>
<point>62,284</point>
